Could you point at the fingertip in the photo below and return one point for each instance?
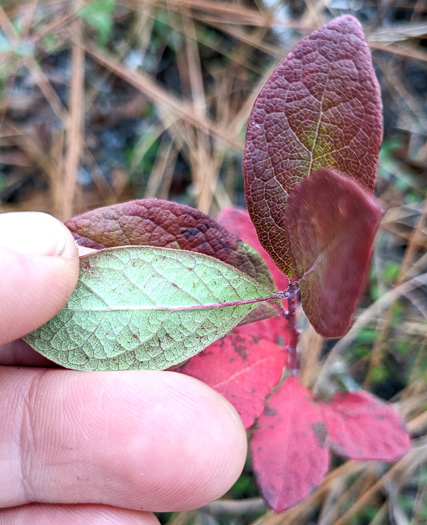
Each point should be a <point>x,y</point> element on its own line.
<point>37,284</point>
<point>33,233</point>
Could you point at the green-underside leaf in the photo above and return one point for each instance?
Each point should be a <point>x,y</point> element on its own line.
<point>145,308</point>
<point>166,224</point>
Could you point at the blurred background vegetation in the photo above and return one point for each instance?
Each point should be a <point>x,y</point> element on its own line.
<point>103,101</point>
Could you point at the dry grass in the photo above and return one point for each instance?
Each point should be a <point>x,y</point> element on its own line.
<point>56,77</point>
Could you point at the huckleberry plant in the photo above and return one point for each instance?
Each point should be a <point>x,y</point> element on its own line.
<point>168,284</point>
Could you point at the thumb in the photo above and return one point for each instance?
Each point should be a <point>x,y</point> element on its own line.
<point>39,268</point>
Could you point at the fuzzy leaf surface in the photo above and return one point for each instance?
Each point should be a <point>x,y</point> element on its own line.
<point>321,107</point>
<point>241,368</point>
<point>361,426</point>
<point>145,308</point>
<point>331,223</point>
<point>289,449</point>
<point>166,224</point>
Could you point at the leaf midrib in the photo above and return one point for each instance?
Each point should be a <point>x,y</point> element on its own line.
<point>179,308</point>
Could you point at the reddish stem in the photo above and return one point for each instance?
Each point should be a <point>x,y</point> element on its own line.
<point>292,328</point>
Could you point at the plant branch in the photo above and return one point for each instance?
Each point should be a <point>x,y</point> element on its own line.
<point>292,327</point>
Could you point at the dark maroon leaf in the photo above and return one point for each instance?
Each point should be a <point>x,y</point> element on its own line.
<point>331,224</point>
<point>321,107</point>
<point>153,222</point>
<point>241,368</point>
<point>361,426</point>
<point>289,450</point>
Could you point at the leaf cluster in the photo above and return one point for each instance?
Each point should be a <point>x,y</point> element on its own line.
<point>167,281</point>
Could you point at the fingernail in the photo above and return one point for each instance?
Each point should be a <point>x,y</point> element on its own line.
<point>32,233</point>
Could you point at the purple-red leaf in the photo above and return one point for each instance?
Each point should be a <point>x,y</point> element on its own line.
<point>164,224</point>
<point>361,426</point>
<point>289,450</point>
<point>241,368</point>
<point>321,107</point>
<point>331,224</point>
<point>238,222</point>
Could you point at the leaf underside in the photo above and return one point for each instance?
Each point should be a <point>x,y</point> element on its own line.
<point>241,368</point>
<point>321,107</point>
<point>166,224</point>
<point>145,308</point>
<point>331,223</point>
<point>289,451</point>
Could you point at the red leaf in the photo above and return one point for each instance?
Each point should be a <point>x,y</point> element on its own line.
<point>273,329</point>
<point>331,223</point>
<point>238,222</point>
<point>321,107</point>
<point>155,222</point>
<point>289,451</point>
<point>241,368</point>
<point>361,426</point>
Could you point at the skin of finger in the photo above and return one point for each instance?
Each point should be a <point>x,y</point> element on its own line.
<point>144,440</point>
<point>19,353</point>
<point>37,514</point>
<point>35,289</point>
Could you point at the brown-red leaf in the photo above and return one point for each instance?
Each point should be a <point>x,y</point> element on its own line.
<point>361,426</point>
<point>331,224</point>
<point>238,222</point>
<point>321,107</point>
<point>241,368</point>
<point>165,224</point>
<point>289,449</point>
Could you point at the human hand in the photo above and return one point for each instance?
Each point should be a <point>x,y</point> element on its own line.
<point>95,447</point>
